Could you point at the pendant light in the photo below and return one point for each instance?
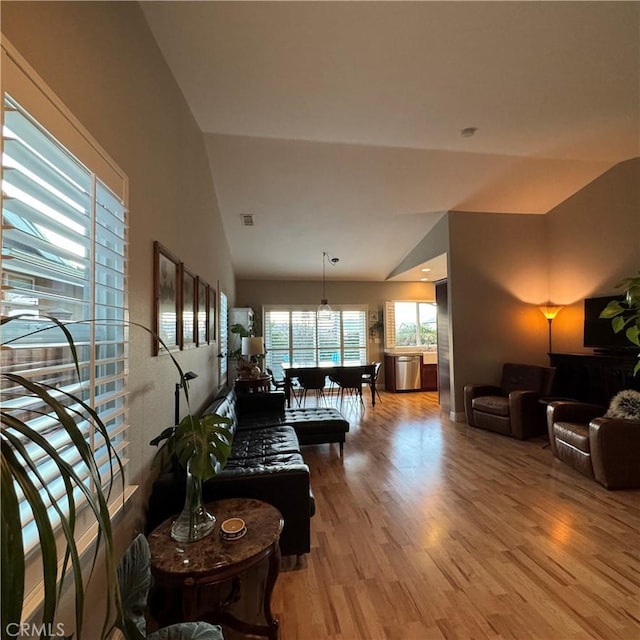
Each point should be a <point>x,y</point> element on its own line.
<point>324,310</point>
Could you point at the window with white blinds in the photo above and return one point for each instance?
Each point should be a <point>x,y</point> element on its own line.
<point>410,324</point>
<point>64,237</point>
<point>224,335</point>
<point>300,336</point>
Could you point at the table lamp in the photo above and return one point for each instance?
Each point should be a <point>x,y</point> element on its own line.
<point>252,347</point>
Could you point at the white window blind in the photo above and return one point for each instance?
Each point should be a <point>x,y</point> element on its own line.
<point>389,325</point>
<point>300,336</point>
<point>64,239</point>
<point>223,329</point>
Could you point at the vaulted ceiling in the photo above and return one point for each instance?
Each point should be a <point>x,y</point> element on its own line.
<point>337,125</point>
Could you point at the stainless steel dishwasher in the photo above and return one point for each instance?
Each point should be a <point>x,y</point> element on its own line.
<point>407,372</point>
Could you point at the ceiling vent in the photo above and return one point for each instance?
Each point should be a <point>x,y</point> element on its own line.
<point>247,219</point>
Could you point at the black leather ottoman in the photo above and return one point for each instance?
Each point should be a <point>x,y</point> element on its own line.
<point>318,425</point>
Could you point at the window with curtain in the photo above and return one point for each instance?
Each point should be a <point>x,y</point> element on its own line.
<point>64,237</point>
<point>301,336</point>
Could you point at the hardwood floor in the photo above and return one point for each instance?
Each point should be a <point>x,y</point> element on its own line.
<point>430,529</point>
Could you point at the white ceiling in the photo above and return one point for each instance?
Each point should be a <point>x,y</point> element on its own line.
<point>337,124</point>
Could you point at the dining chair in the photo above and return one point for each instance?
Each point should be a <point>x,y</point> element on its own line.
<point>371,379</point>
<point>349,379</point>
<point>311,380</point>
<point>279,385</point>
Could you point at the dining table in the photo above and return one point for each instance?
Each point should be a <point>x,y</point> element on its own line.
<point>291,372</point>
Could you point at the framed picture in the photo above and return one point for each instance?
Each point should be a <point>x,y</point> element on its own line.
<point>166,291</point>
<point>188,309</point>
<point>212,315</point>
<point>202,317</point>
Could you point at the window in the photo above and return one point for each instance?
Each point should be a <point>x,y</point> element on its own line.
<point>224,335</point>
<point>410,324</point>
<point>63,255</point>
<point>301,337</point>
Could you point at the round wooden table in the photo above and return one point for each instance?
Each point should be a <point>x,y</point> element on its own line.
<point>251,385</point>
<point>187,567</point>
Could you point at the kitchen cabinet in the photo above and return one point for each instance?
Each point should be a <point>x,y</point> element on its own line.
<point>389,373</point>
<point>429,377</point>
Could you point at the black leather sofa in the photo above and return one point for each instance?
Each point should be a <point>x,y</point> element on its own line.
<point>265,464</point>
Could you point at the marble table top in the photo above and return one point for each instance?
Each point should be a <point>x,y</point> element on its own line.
<point>213,554</point>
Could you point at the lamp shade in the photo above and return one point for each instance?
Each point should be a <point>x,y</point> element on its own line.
<point>550,311</point>
<point>324,310</point>
<point>252,346</point>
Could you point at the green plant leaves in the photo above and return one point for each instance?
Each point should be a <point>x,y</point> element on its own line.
<point>134,580</point>
<point>625,315</point>
<point>20,470</point>
<point>203,443</point>
<point>633,335</point>
<point>612,310</point>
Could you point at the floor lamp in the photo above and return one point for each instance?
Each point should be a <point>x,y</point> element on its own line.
<point>550,311</point>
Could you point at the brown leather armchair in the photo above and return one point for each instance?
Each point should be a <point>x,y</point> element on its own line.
<point>513,408</point>
<point>605,449</point>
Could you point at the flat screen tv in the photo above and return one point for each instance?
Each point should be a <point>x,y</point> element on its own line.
<point>598,333</point>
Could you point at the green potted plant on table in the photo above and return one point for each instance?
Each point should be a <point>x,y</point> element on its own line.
<point>625,314</point>
<point>201,445</point>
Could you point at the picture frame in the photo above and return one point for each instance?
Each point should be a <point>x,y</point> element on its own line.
<point>188,338</point>
<point>213,306</point>
<point>167,292</point>
<point>202,312</point>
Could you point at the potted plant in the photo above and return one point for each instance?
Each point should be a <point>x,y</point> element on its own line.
<point>199,443</point>
<point>243,368</point>
<point>201,446</point>
<point>625,314</point>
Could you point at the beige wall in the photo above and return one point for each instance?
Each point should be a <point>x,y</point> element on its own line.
<point>257,293</point>
<point>502,266</point>
<point>497,273</point>
<point>434,244</point>
<point>593,241</point>
<point>101,60</point>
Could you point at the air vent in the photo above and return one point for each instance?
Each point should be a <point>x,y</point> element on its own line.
<point>247,219</point>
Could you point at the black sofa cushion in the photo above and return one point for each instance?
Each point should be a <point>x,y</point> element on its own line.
<point>313,425</point>
<point>264,444</point>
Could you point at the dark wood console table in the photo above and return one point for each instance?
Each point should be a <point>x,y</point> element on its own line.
<point>593,378</point>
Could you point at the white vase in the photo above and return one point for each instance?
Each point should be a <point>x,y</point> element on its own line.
<point>194,522</point>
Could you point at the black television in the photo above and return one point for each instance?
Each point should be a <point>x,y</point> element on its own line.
<point>598,332</point>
